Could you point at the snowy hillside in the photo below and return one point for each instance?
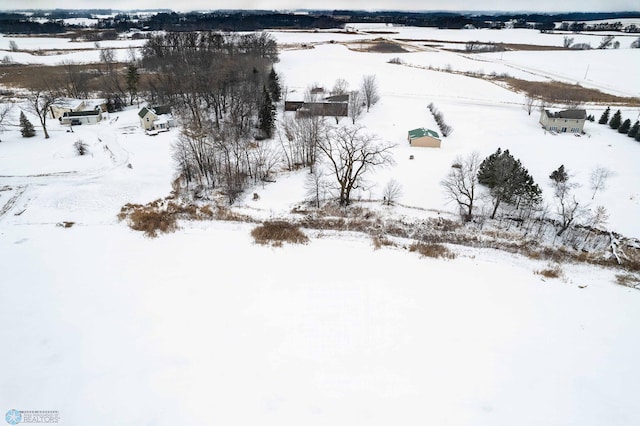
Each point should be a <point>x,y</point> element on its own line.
<point>204,326</point>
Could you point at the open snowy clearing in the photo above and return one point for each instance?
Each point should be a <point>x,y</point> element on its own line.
<point>205,327</point>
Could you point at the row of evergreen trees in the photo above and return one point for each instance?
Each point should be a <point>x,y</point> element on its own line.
<point>616,123</point>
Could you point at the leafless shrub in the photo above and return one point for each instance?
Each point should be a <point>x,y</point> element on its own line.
<point>277,232</point>
<point>628,280</point>
<point>432,250</point>
<point>80,147</point>
<point>380,241</point>
<point>551,271</point>
<point>161,215</point>
<point>396,61</point>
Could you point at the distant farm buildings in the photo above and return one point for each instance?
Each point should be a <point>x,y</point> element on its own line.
<point>424,138</point>
<point>570,120</point>
<point>329,106</point>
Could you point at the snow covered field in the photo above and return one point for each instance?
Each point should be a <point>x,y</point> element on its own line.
<point>204,327</point>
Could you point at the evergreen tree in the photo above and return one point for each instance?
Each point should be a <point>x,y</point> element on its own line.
<point>604,118</point>
<point>633,131</point>
<point>508,181</point>
<point>132,82</point>
<point>625,126</point>
<point>274,86</point>
<point>26,128</point>
<point>559,175</point>
<point>616,120</point>
<point>266,116</point>
<point>638,136</point>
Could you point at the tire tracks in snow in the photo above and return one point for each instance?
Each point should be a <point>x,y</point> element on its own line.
<point>19,190</point>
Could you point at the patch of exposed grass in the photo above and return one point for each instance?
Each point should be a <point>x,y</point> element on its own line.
<point>276,233</point>
<point>432,250</point>
<point>556,91</point>
<point>628,280</point>
<point>551,271</point>
<point>161,216</point>
<point>380,241</point>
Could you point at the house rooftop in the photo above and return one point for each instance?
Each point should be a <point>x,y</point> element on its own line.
<point>157,110</point>
<point>421,132</point>
<point>337,98</point>
<point>574,114</point>
<point>143,112</point>
<point>81,113</point>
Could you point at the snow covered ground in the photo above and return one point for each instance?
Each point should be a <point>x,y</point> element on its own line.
<point>203,326</point>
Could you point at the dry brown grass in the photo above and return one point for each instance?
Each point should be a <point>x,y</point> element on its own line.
<point>551,271</point>
<point>380,241</point>
<point>276,233</point>
<point>376,46</point>
<point>628,280</point>
<point>555,91</point>
<point>432,250</point>
<point>161,216</point>
<point>33,76</point>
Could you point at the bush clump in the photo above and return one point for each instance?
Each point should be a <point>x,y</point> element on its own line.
<point>432,250</point>
<point>161,215</point>
<point>278,232</point>
<point>380,241</point>
<point>551,271</point>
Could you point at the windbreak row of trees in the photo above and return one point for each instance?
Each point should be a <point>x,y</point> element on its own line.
<point>222,87</point>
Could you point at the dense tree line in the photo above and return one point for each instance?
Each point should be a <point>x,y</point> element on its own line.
<point>222,87</point>
<point>260,19</point>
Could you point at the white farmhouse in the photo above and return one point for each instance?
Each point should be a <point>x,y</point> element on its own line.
<point>570,120</point>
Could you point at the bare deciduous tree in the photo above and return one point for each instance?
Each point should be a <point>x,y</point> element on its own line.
<point>598,179</point>
<point>606,42</point>
<point>39,101</point>
<point>350,154</point>
<point>302,137</point>
<point>567,42</point>
<point>316,187</point>
<point>369,90</point>
<point>567,208</point>
<point>355,106</point>
<point>75,81</point>
<point>461,182</point>
<point>4,111</point>
<point>391,192</point>
<point>529,104</point>
<point>340,87</point>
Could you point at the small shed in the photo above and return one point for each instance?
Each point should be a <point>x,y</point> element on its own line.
<point>424,138</point>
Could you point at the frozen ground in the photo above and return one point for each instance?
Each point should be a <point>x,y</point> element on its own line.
<point>204,327</point>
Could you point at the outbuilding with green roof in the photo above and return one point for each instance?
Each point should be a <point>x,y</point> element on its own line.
<point>424,137</point>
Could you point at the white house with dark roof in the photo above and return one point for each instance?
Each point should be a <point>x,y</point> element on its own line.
<point>570,120</point>
<point>156,118</point>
